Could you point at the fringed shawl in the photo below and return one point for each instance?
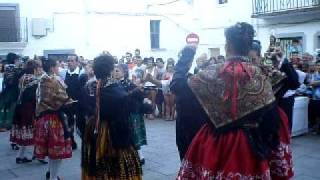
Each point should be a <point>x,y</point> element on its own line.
<point>232,90</point>
<point>51,95</point>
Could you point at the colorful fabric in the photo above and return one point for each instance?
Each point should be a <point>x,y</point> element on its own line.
<point>51,94</point>
<point>22,129</point>
<point>231,90</point>
<point>100,160</point>
<point>280,162</point>
<point>140,135</point>
<point>103,157</point>
<point>49,138</point>
<point>229,156</point>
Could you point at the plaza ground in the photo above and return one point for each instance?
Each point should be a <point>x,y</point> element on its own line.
<point>162,160</point>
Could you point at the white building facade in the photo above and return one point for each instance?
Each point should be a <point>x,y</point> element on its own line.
<point>88,27</point>
<point>285,19</point>
<point>157,27</point>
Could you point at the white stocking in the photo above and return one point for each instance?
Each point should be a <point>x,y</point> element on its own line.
<point>140,154</point>
<point>53,168</point>
<point>21,152</point>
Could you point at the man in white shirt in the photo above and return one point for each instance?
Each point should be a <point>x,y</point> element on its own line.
<point>73,89</point>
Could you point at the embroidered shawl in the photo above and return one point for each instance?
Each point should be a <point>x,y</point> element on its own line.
<point>231,90</point>
<point>25,82</point>
<point>51,94</point>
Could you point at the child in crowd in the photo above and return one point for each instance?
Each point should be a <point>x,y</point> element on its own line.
<point>159,72</point>
<point>138,71</point>
<point>168,96</point>
<point>149,87</point>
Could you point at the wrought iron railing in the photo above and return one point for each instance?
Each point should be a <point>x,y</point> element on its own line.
<point>13,29</point>
<point>265,7</point>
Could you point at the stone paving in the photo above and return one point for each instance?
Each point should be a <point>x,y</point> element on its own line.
<point>162,160</point>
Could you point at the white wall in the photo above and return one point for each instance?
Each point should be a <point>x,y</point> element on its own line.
<point>91,26</point>
<point>215,18</point>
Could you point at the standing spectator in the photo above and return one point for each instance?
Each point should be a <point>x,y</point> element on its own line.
<point>201,62</point>
<point>73,89</point>
<point>128,59</point>
<point>158,75</point>
<point>220,59</point>
<point>81,64</point>
<point>62,70</point>
<point>295,47</point>
<point>137,52</point>
<point>138,71</point>
<point>150,88</point>
<point>314,113</point>
<point>122,60</point>
<point>169,101</point>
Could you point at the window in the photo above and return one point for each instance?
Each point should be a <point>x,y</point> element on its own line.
<point>222,1</point>
<point>155,34</point>
<point>318,42</point>
<point>9,26</point>
<point>214,52</point>
<point>291,44</point>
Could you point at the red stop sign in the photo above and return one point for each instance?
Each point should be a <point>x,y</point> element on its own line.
<point>192,38</point>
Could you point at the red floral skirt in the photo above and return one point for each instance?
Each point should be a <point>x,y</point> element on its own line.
<point>49,138</point>
<point>21,132</point>
<point>230,157</point>
<point>281,165</point>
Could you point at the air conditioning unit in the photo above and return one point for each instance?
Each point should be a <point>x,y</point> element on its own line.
<point>39,27</point>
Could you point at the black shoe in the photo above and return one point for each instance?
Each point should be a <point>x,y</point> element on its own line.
<point>14,147</point>
<point>47,175</point>
<point>23,160</point>
<point>74,145</point>
<point>142,161</point>
<point>42,161</point>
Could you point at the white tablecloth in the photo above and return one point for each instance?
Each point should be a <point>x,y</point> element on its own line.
<point>300,116</point>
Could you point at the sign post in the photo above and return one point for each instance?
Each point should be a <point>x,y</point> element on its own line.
<point>192,39</point>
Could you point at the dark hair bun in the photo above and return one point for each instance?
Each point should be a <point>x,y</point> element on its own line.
<point>47,64</point>
<point>240,37</point>
<point>103,65</point>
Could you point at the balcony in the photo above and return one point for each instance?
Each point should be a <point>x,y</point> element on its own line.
<point>272,8</point>
<point>13,34</point>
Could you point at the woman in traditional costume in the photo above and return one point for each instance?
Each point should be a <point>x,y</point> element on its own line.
<point>22,129</point>
<point>52,137</point>
<point>137,108</point>
<point>246,135</point>
<point>10,92</point>
<point>108,150</point>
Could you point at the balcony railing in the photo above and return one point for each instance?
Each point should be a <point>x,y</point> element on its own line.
<point>271,7</point>
<point>13,30</point>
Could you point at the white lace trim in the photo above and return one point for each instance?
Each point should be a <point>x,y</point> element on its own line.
<point>189,171</point>
<point>281,161</point>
